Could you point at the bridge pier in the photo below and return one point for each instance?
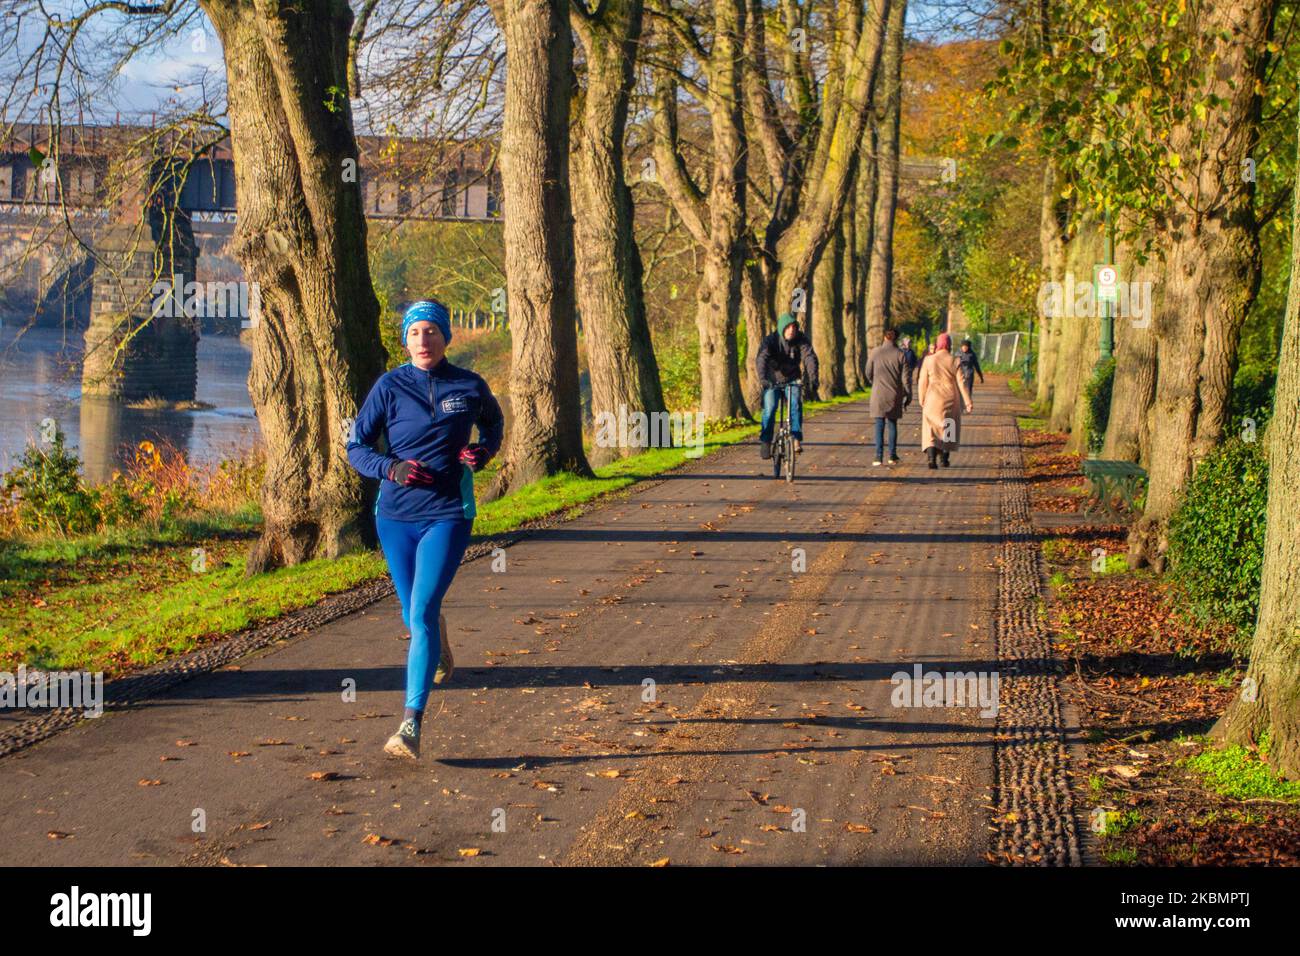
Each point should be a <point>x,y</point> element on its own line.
<point>130,353</point>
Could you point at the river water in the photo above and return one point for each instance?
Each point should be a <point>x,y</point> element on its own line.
<point>40,378</point>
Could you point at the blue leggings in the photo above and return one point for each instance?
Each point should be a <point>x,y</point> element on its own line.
<point>423,557</point>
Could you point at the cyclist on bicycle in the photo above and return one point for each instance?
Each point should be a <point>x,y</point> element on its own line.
<point>782,356</point>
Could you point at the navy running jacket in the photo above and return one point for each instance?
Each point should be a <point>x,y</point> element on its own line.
<point>425,417</point>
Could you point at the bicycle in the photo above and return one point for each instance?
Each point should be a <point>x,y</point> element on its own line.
<point>783,442</point>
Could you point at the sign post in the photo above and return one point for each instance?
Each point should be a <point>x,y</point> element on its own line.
<point>1106,285</point>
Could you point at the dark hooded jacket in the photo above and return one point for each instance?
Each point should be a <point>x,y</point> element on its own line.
<point>780,361</point>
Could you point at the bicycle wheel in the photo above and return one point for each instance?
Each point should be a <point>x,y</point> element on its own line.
<point>789,455</point>
<point>778,438</point>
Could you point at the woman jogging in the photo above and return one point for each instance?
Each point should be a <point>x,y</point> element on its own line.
<point>942,392</point>
<point>425,411</point>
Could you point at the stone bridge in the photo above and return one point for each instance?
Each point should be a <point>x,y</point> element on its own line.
<point>53,213</point>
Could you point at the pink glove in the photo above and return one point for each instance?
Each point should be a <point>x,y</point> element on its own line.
<point>476,456</point>
<point>409,472</point>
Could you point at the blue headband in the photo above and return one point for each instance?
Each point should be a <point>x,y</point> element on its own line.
<point>427,310</point>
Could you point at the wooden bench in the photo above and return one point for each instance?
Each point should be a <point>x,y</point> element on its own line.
<point>1111,479</point>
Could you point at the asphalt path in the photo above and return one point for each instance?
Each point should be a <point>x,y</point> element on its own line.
<point>696,672</point>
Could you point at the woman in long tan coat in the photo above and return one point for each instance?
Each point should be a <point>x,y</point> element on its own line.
<point>942,393</point>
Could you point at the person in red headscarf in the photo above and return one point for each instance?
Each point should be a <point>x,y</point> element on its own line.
<point>942,393</point>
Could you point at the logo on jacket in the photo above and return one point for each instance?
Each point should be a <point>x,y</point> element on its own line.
<point>455,403</point>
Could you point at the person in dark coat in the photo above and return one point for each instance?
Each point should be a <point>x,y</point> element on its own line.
<point>913,363</point>
<point>970,365</point>
<point>784,356</point>
<point>890,376</point>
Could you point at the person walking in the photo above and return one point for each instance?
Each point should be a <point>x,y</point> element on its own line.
<point>970,366</point>
<point>942,393</point>
<point>889,374</point>
<point>783,356</point>
<point>424,411</point>
<point>905,343</point>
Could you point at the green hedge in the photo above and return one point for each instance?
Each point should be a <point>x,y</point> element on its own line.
<point>1216,537</point>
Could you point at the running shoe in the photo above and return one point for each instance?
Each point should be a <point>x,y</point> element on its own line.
<point>406,742</point>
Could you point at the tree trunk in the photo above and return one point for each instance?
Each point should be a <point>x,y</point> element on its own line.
<point>1051,239</point>
<point>888,115</point>
<point>1212,266</point>
<point>619,353</point>
<point>758,323</point>
<point>852,333</point>
<point>716,316</point>
<point>301,239</point>
<point>864,215</point>
<point>1270,702</point>
<point>546,432</point>
<point>1078,324</point>
<point>1134,389</point>
<point>827,335</point>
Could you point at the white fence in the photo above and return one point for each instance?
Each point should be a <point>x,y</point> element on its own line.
<point>1001,348</point>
